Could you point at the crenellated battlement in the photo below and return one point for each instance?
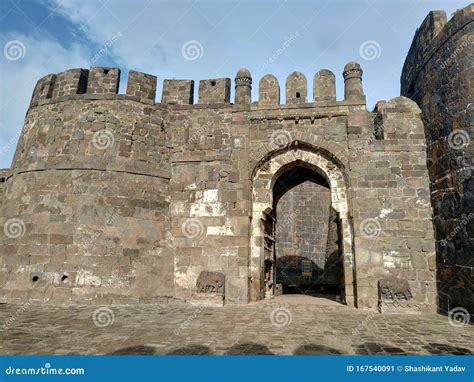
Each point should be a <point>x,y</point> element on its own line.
<point>103,83</point>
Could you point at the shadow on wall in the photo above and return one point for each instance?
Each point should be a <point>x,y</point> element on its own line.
<point>299,274</point>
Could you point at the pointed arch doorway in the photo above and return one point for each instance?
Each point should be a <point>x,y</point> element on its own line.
<point>293,247</point>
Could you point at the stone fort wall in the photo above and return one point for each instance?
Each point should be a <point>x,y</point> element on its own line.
<point>439,75</point>
<point>117,198</point>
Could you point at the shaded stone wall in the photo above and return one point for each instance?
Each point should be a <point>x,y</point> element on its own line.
<point>439,75</point>
<point>302,222</point>
<point>3,179</point>
<point>333,270</point>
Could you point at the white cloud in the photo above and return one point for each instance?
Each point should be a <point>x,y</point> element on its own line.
<point>154,32</point>
<point>145,32</point>
<point>18,78</point>
<point>130,32</point>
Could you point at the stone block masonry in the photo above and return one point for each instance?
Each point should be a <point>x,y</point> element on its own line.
<point>114,198</point>
<point>439,75</point>
<point>303,239</point>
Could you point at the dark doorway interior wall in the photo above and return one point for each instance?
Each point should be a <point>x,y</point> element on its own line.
<point>307,247</point>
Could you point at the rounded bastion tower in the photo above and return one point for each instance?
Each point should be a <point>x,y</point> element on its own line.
<point>89,192</point>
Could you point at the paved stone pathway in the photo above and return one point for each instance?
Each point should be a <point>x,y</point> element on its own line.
<point>285,325</point>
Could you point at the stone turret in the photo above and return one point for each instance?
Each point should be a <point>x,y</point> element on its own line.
<point>353,82</point>
<point>243,87</point>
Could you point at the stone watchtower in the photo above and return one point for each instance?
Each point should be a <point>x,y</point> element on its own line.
<point>116,198</point>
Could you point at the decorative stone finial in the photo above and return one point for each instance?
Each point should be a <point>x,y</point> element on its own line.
<point>243,87</point>
<point>352,70</point>
<point>243,78</point>
<point>353,82</point>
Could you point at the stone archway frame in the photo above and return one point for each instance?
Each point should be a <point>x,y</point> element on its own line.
<point>265,173</point>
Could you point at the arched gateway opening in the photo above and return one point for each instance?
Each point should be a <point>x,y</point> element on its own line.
<point>301,238</point>
<point>306,236</point>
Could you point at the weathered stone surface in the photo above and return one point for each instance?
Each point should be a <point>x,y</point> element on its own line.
<point>70,82</point>
<point>353,82</point>
<point>103,80</point>
<point>141,85</point>
<point>269,90</point>
<point>119,198</point>
<point>214,91</point>
<point>437,75</point>
<point>307,253</point>
<point>296,88</point>
<point>180,92</point>
<point>324,86</point>
<point>393,289</point>
<point>210,282</point>
<point>243,87</point>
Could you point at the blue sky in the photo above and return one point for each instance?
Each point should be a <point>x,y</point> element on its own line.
<point>277,37</point>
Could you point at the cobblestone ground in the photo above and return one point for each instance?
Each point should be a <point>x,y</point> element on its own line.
<point>286,325</point>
